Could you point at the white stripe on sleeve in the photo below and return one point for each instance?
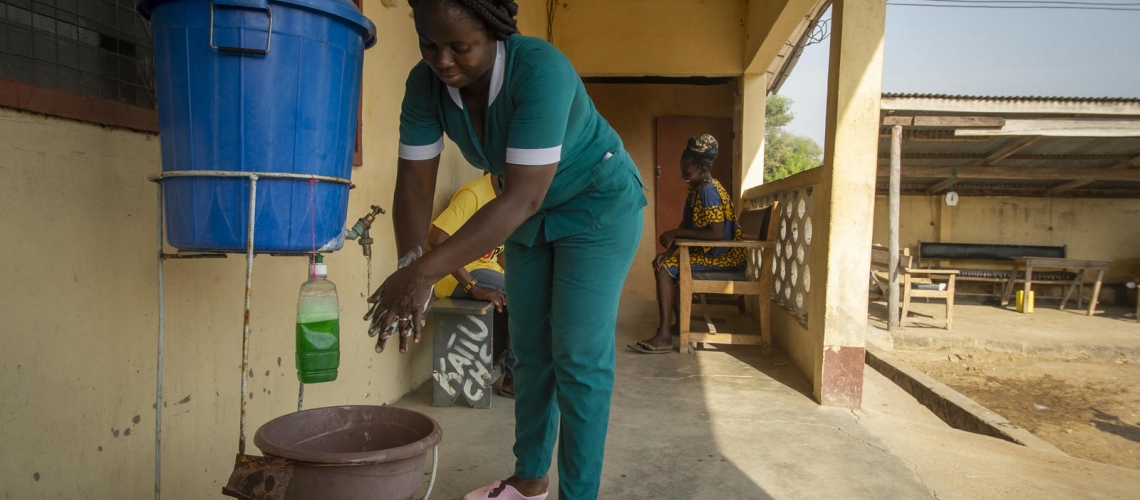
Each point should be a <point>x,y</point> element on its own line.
<point>542,156</point>
<point>416,153</point>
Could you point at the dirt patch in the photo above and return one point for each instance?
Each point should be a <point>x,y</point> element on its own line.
<point>1088,408</point>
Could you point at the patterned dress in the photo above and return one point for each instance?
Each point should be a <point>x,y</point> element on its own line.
<point>709,203</point>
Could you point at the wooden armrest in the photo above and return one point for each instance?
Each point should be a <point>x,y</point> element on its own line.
<point>725,243</point>
<point>932,271</point>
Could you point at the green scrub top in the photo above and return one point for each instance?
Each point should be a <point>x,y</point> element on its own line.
<point>538,113</point>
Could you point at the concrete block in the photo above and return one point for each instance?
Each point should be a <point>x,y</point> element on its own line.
<point>463,364</point>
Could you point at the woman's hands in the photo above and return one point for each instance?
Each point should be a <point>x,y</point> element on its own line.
<point>489,295</point>
<point>436,237</point>
<point>667,240</point>
<point>659,262</point>
<point>714,231</point>
<point>399,305</point>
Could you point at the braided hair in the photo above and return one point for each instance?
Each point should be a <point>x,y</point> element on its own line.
<point>497,15</point>
<point>702,150</point>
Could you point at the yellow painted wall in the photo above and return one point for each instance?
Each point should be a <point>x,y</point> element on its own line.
<point>651,37</point>
<point>77,259</point>
<point>632,109</point>
<point>919,221</point>
<point>532,18</point>
<point>768,26</point>
<point>1091,228</point>
<point>802,347</point>
<point>78,264</point>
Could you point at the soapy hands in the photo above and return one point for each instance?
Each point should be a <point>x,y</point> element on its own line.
<point>400,304</point>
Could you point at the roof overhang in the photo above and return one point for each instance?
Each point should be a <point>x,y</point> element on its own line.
<point>1014,146</point>
<point>789,54</point>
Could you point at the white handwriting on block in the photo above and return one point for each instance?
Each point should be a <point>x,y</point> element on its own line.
<point>469,354</point>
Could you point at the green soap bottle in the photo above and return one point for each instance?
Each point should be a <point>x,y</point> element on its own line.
<point>318,327</point>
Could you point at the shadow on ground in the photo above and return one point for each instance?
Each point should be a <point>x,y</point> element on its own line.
<point>1113,424</point>
<point>717,424</point>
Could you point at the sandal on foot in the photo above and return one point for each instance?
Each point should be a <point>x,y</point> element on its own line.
<point>647,348</point>
<point>509,493</point>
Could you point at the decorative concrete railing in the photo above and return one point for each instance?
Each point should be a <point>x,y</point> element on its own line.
<point>791,284</point>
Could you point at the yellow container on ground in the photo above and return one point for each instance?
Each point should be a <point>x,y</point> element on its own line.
<point>1025,306</point>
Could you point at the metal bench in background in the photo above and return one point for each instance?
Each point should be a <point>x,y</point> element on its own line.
<point>965,257</point>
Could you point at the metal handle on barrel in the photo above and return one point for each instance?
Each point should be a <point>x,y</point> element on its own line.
<point>262,5</point>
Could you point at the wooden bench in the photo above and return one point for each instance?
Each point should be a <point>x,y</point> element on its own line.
<point>463,349</point>
<point>962,253</point>
<point>755,280</point>
<point>929,283</point>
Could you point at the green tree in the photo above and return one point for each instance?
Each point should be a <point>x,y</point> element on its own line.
<point>785,153</point>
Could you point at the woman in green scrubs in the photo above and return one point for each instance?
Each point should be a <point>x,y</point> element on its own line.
<point>570,213</point>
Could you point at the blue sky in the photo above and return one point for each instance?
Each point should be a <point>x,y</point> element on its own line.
<point>988,52</point>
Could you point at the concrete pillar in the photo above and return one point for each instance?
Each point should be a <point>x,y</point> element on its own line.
<point>846,198</point>
<point>753,97</point>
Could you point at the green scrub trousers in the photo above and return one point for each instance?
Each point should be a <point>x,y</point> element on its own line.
<point>564,305</point>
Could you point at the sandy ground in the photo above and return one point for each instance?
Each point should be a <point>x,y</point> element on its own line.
<point>1089,408</point>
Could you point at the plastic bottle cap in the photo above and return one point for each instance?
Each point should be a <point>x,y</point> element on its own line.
<point>319,270</point>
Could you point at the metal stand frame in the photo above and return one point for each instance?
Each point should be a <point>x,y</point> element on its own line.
<point>249,251</point>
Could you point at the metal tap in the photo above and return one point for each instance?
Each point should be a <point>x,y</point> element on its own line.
<point>359,231</point>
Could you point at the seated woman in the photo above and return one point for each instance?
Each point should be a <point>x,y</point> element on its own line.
<point>709,215</point>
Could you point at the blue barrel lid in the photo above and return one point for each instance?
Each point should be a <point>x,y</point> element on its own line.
<point>343,9</point>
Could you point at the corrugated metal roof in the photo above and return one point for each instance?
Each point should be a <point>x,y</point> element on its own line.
<point>1020,188</point>
<point>894,95</point>
<point>1076,152</point>
<point>1010,106</point>
<point>941,147</point>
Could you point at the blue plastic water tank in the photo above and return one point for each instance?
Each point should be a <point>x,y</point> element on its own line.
<point>257,86</point>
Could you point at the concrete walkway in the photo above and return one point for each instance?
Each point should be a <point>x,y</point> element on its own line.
<point>1112,333</point>
<point>732,424</point>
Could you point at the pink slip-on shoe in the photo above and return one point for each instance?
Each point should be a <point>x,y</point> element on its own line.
<point>509,493</point>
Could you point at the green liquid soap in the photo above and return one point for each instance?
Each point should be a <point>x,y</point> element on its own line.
<point>318,350</point>
<point>318,328</point>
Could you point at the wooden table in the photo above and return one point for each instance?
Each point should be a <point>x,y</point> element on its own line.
<point>1031,263</point>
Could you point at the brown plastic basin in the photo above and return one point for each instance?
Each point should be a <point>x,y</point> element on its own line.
<point>351,452</point>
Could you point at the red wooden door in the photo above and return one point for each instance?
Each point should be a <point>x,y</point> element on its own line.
<point>673,133</point>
